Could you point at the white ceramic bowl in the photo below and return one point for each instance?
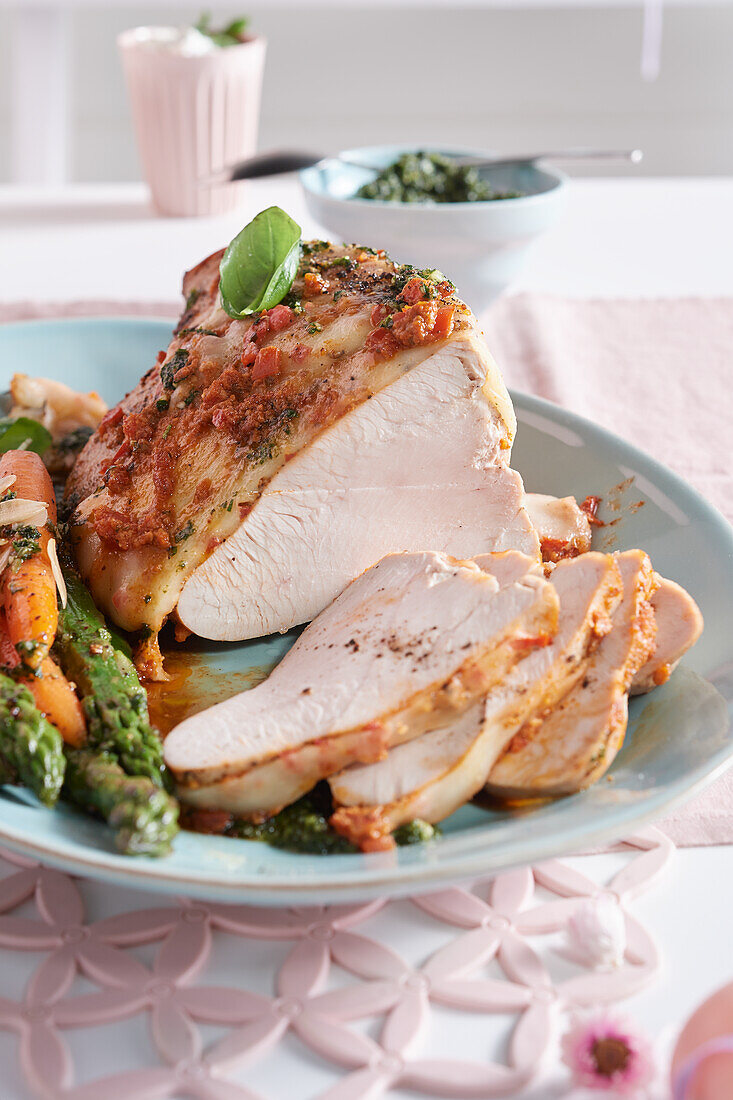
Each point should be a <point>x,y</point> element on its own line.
<point>480,246</point>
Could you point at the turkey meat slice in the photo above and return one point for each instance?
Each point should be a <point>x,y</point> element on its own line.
<point>432,775</point>
<point>415,637</point>
<point>573,745</point>
<point>562,526</point>
<point>679,625</point>
<point>263,462</point>
<point>418,465</point>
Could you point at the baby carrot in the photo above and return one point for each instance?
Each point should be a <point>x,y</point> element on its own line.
<point>53,694</point>
<point>32,481</point>
<point>55,698</point>
<point>29,588</point>
<point>9,659</point>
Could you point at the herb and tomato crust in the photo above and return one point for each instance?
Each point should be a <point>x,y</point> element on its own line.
<point>175,467</point>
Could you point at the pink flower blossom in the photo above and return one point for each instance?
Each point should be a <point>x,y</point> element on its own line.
<point>604,1052</point>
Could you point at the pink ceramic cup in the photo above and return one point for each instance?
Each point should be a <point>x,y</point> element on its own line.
<point>193,116</point>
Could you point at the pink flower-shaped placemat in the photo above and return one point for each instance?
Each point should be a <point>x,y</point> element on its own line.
<point>324,978</point>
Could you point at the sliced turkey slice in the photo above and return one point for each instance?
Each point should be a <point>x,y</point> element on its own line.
<point>433,775</point>
<point>416,636</point>
<point>679,625</point>
<point>573,745</point>
<point>562,526</point>
<point>426,778</point>
<point>420,464</point>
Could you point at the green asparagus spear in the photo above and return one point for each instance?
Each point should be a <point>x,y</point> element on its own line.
<point>31,750</point>
<point>144,817</point>
<point>113,699</point>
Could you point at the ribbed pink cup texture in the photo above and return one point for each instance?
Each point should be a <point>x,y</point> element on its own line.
<point>193,116</point>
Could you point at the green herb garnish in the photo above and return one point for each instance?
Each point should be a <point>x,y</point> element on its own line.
<point>342,261</point>
<point>260,264</point>
<point>233,34</point>
<point>185,532</point>
<point>26,543</point>
<point>309,247</point>
<point>14,432</point>
<point>168,370</point>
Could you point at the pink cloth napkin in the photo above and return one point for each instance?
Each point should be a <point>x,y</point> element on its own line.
<point>657,372</point>
<point>31,311</point>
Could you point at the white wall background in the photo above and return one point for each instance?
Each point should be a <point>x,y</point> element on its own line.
<point>509,80</point>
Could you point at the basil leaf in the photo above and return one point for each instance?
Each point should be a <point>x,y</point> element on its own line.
<point>260,265</point>
<point>15,432</point>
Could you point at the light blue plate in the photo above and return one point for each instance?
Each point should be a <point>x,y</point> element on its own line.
<point>679,737</point>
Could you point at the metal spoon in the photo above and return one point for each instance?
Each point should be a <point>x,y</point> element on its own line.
<point>634,156</point>
<point>279,162</point>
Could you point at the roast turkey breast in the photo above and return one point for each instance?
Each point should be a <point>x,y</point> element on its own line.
<point>264,462</point>
<point>419,465</point>
<point>415,637</point>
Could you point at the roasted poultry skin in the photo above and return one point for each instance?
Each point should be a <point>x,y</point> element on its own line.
<point>177,466</point>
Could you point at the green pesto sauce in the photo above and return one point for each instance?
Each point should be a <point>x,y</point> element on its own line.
<point>430,177</point>
<point>298,828</point>
<point>303,827</point>
<point>168,370</point>
<point>26,543</point>
<point>75,440</point>
<point>185,532</point>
